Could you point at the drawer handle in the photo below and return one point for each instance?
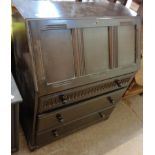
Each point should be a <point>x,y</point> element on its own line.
<point>118,82</point>
<point>111,100</point>
<point>102,115</point>
<point>64,101</point>
<point>62,98</point>
<point>55,133</point>
<point>60,118</point>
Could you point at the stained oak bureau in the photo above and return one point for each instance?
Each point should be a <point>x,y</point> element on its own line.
<point>73,61</point>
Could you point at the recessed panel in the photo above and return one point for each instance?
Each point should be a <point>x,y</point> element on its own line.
<point>57,55</point>
<point>96,49</point>
<point>126,45</point>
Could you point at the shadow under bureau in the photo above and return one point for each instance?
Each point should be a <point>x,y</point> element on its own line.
<point>73,63</point>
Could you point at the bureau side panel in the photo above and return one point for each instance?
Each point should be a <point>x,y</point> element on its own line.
<point>25,74</point>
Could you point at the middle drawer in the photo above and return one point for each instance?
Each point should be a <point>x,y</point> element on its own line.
<point>57,118</point>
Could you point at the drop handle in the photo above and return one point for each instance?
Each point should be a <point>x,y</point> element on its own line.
<point>111,100</point>
<point>102,115</point>
<point>63,99</point>
<point>60,118</point>
<point>118,82</point>
<point>55,133</point>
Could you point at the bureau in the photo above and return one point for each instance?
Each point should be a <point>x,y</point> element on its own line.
<point>73,63</point>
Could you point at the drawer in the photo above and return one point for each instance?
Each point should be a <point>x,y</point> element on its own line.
<point>54,101</point>
<point>74,112</point>
<point>56,133</point>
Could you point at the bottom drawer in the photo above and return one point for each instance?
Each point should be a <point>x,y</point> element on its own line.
<point>54,134</point>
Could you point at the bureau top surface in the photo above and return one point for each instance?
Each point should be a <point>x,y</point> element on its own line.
<point>35,9</point>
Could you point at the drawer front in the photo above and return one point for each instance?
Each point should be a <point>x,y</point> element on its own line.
<point>68,114</point>
<point>56,133</point>
<point>75,95</point>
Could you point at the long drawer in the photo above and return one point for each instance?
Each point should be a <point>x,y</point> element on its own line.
<point>57,100</point>
<point>56,133</point>
<point>74,112</point>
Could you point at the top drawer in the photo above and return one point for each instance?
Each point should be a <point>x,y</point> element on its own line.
<point>53,101</point>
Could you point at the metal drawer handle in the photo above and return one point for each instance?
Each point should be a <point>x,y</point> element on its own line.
<point>62,98</point>
<point>60,118</point>
<point>102,115</point>
<point>55,133</point>
<point>118,82</point>
<point>111,100</point>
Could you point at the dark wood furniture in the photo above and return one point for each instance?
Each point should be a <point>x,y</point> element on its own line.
<point>74,61</point>
<point>15,100</point>
<point>140,9</point>
<point>123,2</point>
